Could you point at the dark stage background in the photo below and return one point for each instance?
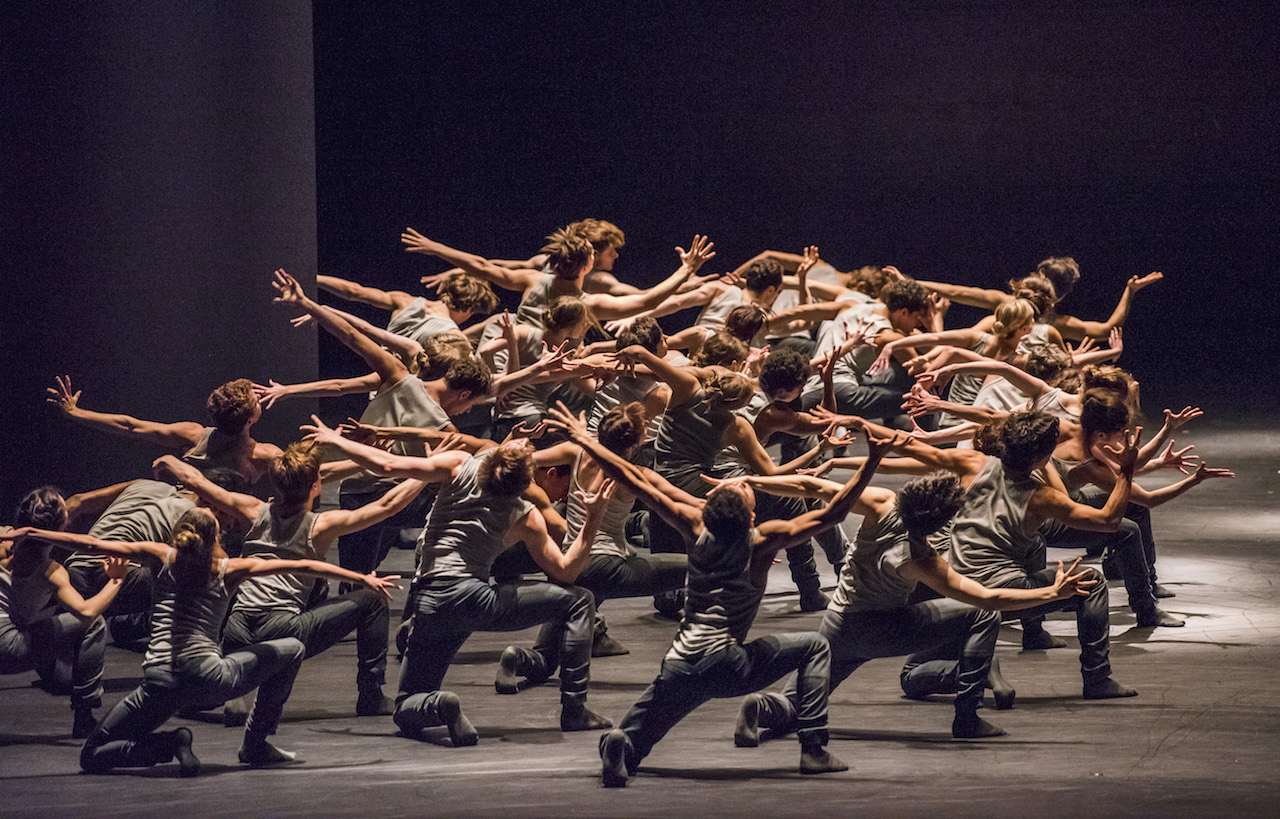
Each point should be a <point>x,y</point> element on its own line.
<point>959,140</point>
<point>159,163</point>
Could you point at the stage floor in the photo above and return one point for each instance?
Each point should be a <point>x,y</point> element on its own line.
<point>1202,737</point>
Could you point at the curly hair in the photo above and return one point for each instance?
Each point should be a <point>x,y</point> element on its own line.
<point>1036,289</point>
<point>439,353</point>
<point>784,370</point>
<point>469,374</point>
<point>904,294</point>
<point>1020,441</point>
<point>726,514</point>
<point>721,349</point>
<point>232,405</point>
<point>927,503</point>
<point>643,331</point>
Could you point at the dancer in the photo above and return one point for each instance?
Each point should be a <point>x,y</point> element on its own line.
<point>951,641</point>
<point>729,560</point>
<point>45,624</point>
<point>479,514</point>
<point>233,408</point>
<point>184,663</point>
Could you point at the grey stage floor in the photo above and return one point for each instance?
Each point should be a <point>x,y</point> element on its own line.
<point>1203,737</point>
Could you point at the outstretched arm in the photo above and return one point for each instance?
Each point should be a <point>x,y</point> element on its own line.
<point>338,522</point>
<point>682,380</point>
<point>271,392</point>
<point>402,346</point>
<point>962,294</point>
<point>564,566</point>
<point>604,306</point>
<point>178,435</point>
<point>389,368</point>
<point>354,291</point>
<point>509,278</point>
<point>240,569</point>
<point>1075,329</point>
<point>938,575</point>
<point>434,468</point>
<point>244,507</point>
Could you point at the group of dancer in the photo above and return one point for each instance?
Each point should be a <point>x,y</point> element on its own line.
<point>576,440</point>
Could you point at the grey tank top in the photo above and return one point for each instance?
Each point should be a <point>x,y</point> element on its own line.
<point>533,304</point>
<point>620,391</point>
<point>1039,334</point>
<point>144,511</point>
<point>1051,402</point>
<point>720,600</point>
<point>869,579</point>
<point>821,272</point>
<point>689,440</point>
<point>729,460</point>
<point>288,538</point>
<point>466,528</point>
<point>987,541</point>
<point>416,323</point>
<point>403,404</point>
<point>186,624</point>
<point>528,399</point>
<point>854,364</point>
<point>26,599</point>
<point>215,451</point>
<point>713,315</point>
<point>611,536</point>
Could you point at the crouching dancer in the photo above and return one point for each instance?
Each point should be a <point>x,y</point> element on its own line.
<point>951,641</point>
<point>729,560</point>
<point>480,513</point>
<point>184,663</point>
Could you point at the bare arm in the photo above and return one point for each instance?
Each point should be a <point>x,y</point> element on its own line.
<point>177,435</point>
<point>354,291</point>
<point>434,468</point>
<point>605,307</point>
<point>115,567</point>
<point>509,278</point>
<point>938,575</point>
<point>962,294</point>
<point>93,503</point>
<point>240,569</point>
<point>742,436</point>
<point>244,507</point>
<point>335,523</point>
<point>1075,329</point>
<point>402,346</point>
<point>272,392</point>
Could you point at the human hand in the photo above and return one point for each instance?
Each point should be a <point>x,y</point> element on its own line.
<point>382,585</point>
<point>699,253</point>
<point>415,242</point>
<point>319,432</point>
<point>1177,420</point>
<point>62,397</point>
<point>1136,283</point>
<point>879,445</point>
<point>1073,582</point>
<point>304,320</point>
<point>1205,472</point>
<point>432,281</point>
<point>1125,454</point>
<point>807,263</point>
<point>559,417</point>
<point>268,395</point>
<point>116,567</point>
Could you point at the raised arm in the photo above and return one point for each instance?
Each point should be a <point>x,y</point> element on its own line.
<point>923,341</point>
<point>1047,502</point>
<point>604,306</point>
<point>335,523</point>
<point>244,507</point>
<point>1075,329</point>
<point>564,566</point>
<point>742,436</point>
<point>434,468</point>
<point>509,278</point>
<point>388,367</point>
<point>683,381</point>
<point>178,435</point>
<point>684,518</point>
<point>93,503</point>
<point>402,346</point>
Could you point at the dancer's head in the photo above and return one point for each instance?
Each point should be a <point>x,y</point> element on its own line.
<point>720,349</point>
<point>1047,362</point>
<point>439,353</point>
<point>1062,271</point>
<point>783,375</point>
<point>729,512</point>
<point>744,322</point>
<point>295,473</point>
<point>728,390</point>
<point>564,319</point>
<point>195,542</point>
<point>233,407</point>
<point>1036,289</point>
<point>645,332</point>
<point>467,381</point>
<point>907,304</point>
<point>763,278</point>
<point>621,430</point>
<point>466,296</point>
<point>928,503</point>
<point>1104,416</point>
<point>569,254</point>
<point>1014,318</point>
<point>1022,441</point>
<point>42,508</point>
<point>606,239</point>
<point>508,469</point>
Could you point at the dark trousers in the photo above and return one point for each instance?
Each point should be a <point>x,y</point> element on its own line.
<point>1131,546</point>
<point>125,738</point>
<point>950,643</point>
<point>129,615</point>
<point>64,650</point>
<point>365,550</point>
<point>1092,620</point>
<point>682,686</point>
<point>320,627</point>
<point>446,611</point>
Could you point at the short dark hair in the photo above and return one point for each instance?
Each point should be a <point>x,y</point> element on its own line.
<point>643,331</point>
<point>227,478</point>
<point>231,406</point>
<point>762,274</point>
<point>904,294</point>
<point>567,253</point>
<point>506,471</point>
<point>43,508</point>
<point>294,471</point>
<point>927,503</point>
<point>469,375</point>
<point>1103,412</point>
<point>784,370</point>
<point>1021,440</point>
<point>744,321</point>
<point>726,514</point>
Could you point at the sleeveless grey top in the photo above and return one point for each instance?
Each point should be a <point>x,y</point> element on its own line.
<point>214,451</point>
<point>288,538</point>
<point>466,527</point>
<point>528,399</point>
<point>405,403</point>
<point>1039,335</point>
<point>721,601</point>
<point>186,624</point>
<point>1051,402</point>
<point>416,323</point>
<point>729,460</point>
<point>611,536</point>
<point>853,365</point>
<point>689,439</point>
<point>26,599</point>
<point>622,390</point>
<point>533,304</point>
<point>869,579</point>
<point>718,309</point>
<point>987,541</point>
<point>144,511</point>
